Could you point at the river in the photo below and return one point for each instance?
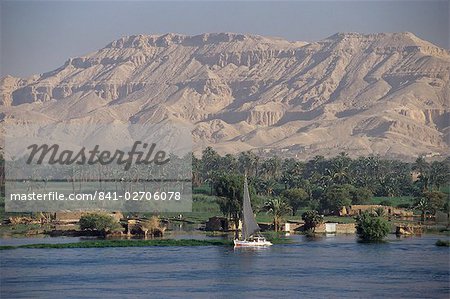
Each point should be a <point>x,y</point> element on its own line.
<point>324,267</point>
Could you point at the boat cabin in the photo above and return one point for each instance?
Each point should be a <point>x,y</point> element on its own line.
<point>257,239</point>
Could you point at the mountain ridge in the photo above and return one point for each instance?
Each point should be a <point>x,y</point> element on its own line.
<point>384,93</point>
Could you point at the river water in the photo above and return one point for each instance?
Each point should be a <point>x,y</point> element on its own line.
<point>324,267</point>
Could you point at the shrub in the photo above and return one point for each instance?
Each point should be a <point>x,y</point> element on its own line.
<point>380,212</point>
<point>443,243</point>
<point>436,200</point>
<point>99,222</point>
<point>312,219</point>
<point>386,202</point>
<point>336,197</point>
<point>371,227</point>
<point>152,226</point>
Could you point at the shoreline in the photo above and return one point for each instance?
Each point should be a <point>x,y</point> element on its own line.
<point>123,243</point>
<point>102,243</point>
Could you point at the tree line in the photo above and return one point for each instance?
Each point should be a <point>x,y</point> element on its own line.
<point>323,184</point>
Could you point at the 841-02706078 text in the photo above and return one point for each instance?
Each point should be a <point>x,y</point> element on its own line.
<point>141,195</point>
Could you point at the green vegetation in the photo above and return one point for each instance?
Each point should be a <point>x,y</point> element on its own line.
<point>6,247</point>
<point>275,239</point>
<point>371,227</point>
<point>202,190</point>
<point>430,202</point>
<point>296,197</point>
<point>321,184</point>
<point>278,208</point>
<point>312,219</point>
<point>128,243</point>
<point>326,184</point>
<point>445,189</point>
<point>394,201</point>
<point>229,189</point>
<point>431,176</point>
<point>336,197</point>
<point>203,207</point>
<point>18,230</point>
<point>99,222</point>
<point>152,226</point>
<point>267,218</point>
<point>443,243</point>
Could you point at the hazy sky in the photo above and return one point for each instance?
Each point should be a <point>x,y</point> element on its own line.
<point>39,36</point>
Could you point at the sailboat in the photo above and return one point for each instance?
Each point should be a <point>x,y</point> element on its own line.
<point>250,229</point>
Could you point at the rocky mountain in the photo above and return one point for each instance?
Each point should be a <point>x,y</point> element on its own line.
<point>385,94</point>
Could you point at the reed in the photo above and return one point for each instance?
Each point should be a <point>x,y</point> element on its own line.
<point>444,243</point>
<point>126,243</point>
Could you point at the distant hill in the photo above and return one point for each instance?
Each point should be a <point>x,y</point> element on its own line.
<point>385,94</point>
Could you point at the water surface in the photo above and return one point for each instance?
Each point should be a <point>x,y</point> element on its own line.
<point>327,267</point>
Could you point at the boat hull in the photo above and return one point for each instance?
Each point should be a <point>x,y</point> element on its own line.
<point>244,243</point>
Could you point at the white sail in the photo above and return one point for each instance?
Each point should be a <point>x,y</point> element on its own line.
<point>249,225</point>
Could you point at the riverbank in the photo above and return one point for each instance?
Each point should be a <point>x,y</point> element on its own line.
<point>126,243</point>
<point>137,243</point>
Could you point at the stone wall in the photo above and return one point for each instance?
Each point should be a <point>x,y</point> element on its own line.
<point>355,210</point>
<point>74,216</point>
<point>341,228</point>
<point>345,228</point>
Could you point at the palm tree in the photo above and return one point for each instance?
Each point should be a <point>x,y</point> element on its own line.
<point>423,168</point>
<point>278,208</point>
<point>229,191</point>
<point>318,171</point>
<point>292,171</point>
<point>248,163</point>
<point>196,171</point>
<point>210,161</point>
<point>339,170</point>
<point>269,186</point>
<point>364,172</point>
<point>439,173</point>
<point>423,206</point>
<point>229,163</point>
<point>312,219</point>
<point>271,167</point>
